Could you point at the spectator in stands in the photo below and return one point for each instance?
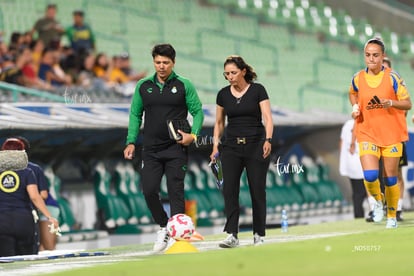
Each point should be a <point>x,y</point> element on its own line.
<point>47,240</point>
<point>37,48</point>
<point>69,62</point>
<point>30,78</point>
<point>60,58</point>
<point>18,192</point>
<point>403,161</point>
<point>116,75</point>
<point>50,71</point>
<point>126,68</point>
<point>48,28</point>
<point>81,37</point>
<point>350,166</point>
<point>16,42</point>
<point>379,99</point>
<point>82,41</point>
<point>27,39</point>
<point>3,46</point>
<point>101,66</point>
<point>160,153</point>
<point>122,77</point>
<point>247,145</point>
<point>102,70</point>
<point>86,77</point>
<point>11,72</point>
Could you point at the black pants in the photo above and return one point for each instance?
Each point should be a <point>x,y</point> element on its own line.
<point>359,193</point>
<point>16,233</point>
<point>172,162</point>
<point>234,159</point>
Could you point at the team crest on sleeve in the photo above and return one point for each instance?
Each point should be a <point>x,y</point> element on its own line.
<point>9,181</point>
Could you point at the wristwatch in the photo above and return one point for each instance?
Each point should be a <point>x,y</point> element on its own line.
<point>268,140</point>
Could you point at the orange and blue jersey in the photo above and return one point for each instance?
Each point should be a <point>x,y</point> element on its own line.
<point>377,124</point>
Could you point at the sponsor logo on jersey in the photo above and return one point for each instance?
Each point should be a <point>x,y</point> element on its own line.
<point>9,181</point>
<point>374,103</point>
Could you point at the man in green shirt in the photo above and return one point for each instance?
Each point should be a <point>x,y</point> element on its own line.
<point>80,35</point>
<point>158,98</point>
<point>48,28</point>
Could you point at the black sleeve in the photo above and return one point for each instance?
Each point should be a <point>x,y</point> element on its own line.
<point>219,99</point>
<point>262,93</point>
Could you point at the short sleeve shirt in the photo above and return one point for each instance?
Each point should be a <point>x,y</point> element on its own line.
<point>244,117</point>
<point>13,189</point>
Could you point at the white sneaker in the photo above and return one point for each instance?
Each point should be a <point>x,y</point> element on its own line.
<point>391,223</point>
<point>229,242</point>
<point>258,240</point>
<point>162,240</point>
<point>378,211</point>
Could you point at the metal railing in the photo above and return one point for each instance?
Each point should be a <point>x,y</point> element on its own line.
<point>16,91</point>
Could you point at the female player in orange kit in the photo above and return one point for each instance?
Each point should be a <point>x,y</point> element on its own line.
<point>379,100</point>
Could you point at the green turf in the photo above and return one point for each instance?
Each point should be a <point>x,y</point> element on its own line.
<point>387,252</point>
<point>345,248</point>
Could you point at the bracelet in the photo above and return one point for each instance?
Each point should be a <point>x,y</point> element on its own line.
<point>194,136</point>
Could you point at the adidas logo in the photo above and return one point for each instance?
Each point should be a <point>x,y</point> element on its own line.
<point>394,149</point>
<point>374,103</point>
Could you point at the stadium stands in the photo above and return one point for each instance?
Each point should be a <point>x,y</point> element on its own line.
<point>127,181</point>
<point>273,35</point>
<point>115,212</point>
<point>304,52</point>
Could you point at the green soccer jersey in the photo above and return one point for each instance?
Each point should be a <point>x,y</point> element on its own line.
<point>155,103</point>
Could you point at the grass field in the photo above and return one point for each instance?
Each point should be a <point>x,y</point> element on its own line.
<point>337,248</point>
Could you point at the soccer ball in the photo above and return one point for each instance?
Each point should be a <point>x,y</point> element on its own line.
<point>180,227</point>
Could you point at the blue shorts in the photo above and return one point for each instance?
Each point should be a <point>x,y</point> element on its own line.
<point>54,212</point>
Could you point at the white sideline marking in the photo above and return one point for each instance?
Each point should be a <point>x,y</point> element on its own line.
<point>58,265</point>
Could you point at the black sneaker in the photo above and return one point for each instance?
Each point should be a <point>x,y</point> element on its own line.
<point>370,217</point>
<point>399,216</point>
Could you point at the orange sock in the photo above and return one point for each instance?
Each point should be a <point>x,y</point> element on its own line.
<point>392,195</point>
<point>374,189</point>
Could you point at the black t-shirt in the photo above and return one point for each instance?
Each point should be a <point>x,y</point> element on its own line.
<point>244,118</point>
